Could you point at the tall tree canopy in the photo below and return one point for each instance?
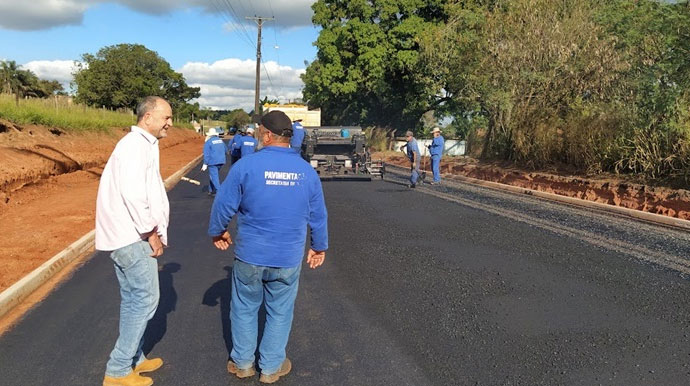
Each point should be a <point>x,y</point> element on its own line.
<point>119,76</point>
<point>368,69</point>
<point>598,85</point>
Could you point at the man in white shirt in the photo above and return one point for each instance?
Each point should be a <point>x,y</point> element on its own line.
<point>132,213</point>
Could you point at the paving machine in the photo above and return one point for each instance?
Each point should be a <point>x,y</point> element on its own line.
<point>340,152</point>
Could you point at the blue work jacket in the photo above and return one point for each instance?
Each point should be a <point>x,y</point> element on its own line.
<point>437,144</point>
<point>234,145</point>
<point>411,149</point>
<point>275,195</point>
<point>214,151</point>
<point>248,145</point>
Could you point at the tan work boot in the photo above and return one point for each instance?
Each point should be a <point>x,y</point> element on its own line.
<point>284,369</point>
<point>240,373</point>
<point>132,379</point>
<point>148,365</point>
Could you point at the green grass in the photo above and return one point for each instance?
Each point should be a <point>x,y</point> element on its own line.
<point>61,114</point>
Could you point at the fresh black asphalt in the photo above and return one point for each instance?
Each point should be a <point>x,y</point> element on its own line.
<point>415,290</point>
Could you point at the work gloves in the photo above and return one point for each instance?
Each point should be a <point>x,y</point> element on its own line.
<point>204,167</point>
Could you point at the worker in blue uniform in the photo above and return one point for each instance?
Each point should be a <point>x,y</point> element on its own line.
<point>214,159</point>
<point>234,146</point>
<point>275,195</point>
<point>436,151</point>
<point>297,135</point>
<point>413,155</point>
<point>248,144</point>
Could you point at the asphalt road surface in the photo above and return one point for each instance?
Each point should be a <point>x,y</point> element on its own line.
<point>450,285</point>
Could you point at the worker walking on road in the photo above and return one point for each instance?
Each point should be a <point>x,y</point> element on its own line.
<point>234,146</point>
<point>275,194</point>
<point>132,214</point>
<point>214,159</point>
<point>436,151</point>
<point>248,145</point>
<point>297,136</point>
<point>413,155</point>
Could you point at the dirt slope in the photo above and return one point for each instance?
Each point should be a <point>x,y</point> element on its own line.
<point>48,185</point>
<point>603,189</point>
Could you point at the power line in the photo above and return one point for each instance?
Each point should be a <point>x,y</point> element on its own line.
<point>271,7</point>
<point>231,20</point>
<point>251,4</point>
<point>238,22</point>
<point>267,74</point>
<point>277,48</point>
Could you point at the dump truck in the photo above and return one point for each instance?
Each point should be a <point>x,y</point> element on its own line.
<point>339,153</point>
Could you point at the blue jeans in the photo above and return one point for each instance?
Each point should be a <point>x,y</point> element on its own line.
<point>137,273</point>
<point>252,285</point>
<point>214,180</point>
<point>436,167</point>
<point>415,173</point>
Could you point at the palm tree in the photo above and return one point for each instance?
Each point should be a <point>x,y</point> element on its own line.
<point>11,77</point>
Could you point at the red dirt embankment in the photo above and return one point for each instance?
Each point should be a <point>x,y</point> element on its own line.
<point>48,184</point>
<point>603,189</point>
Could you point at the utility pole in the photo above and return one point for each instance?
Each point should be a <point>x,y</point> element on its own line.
<point>257,83</point>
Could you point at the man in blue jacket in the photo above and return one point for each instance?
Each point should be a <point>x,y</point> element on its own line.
<point>275,195</point>
<point>214,159</point>
<point>297,136</point>
<point>436,151</point>
<point>413,156</point>
<point>234,146</point>
<point>248,144</point>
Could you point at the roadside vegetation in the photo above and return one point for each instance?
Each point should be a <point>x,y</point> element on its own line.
<point>107,86</point>
<point>589,86</point>
<point>58,112</point>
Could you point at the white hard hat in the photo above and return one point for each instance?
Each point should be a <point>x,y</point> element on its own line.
<point>436,129</point>
<point>250,130</point>
<point>211,131</point>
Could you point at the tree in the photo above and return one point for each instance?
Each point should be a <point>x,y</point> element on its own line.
<point>188,112</point>
<point>543,74</point>
<point>654,37</point>
<point>50,87</point>
<point>368,69</point>
<point>236,118</point>
<point>13,78</point>
<point>119,76</point>
<point>24,83</point>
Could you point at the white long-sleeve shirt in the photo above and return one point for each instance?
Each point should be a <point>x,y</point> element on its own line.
<point>131,196</point>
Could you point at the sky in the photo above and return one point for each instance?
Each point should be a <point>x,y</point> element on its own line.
<point>209,41</point>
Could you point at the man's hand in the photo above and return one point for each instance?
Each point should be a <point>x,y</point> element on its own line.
<point>223,241</point>
<point>156,244</point>
<point>315,258</point>
<point>204,167</point>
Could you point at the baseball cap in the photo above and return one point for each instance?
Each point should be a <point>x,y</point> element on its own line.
<point>277,122</point>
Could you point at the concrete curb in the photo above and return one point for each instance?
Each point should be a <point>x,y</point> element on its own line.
<point>637,214</point>
<point>16,293</point>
